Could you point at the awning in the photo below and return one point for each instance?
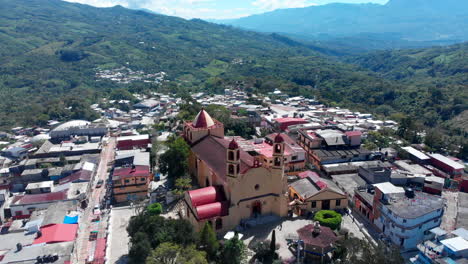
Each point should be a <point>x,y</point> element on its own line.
<point>70,219</point>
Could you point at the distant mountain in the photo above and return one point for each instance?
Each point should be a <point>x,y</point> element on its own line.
<point>425,22</point>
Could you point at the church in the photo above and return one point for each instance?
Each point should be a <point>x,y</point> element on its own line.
<point>236,186</point>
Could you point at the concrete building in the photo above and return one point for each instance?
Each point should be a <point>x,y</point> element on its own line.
<point>130,184</point>
<point>405,216</point>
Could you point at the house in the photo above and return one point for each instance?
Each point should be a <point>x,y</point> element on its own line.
<point>131,183</point>
<point>453,168</point>
<point>133,142</point>
<point>313,194</point>
<point>235,185</point>
<point>405,216</point>
<point>444,247</point>
<point>40,187</point>
<point>417,156</point>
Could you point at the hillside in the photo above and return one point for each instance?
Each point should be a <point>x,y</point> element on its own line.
<point>397,24</point>
<point>57,58</point>
<point>435,81</point>
<point>52,50</point>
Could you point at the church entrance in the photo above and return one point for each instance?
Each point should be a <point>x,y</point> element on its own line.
<point>326,205</point>
<point>256,209</point>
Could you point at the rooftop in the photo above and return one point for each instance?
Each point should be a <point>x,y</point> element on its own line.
<point>418,154</point>
<point>455,165</point>
<point>418,206</point>
<point>325,238</point>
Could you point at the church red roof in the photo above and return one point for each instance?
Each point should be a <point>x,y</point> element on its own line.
<point>279,138</point>
<point>209,202</point>
<point>212,150</point>
<point>233,144</point>
<point>203,120</point>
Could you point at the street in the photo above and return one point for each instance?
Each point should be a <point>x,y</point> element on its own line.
<point>84,249</point>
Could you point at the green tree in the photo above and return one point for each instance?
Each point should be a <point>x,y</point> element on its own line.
<point>155,209</point>
<point>234,251</point>
<point>357,251</point>
<point>169,253</point>
<point>174,162</point>
<point>140,248</point>
<point>208,241</point>
<point>182,185</point>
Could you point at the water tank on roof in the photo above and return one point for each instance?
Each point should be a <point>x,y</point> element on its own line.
<point>409,192</point>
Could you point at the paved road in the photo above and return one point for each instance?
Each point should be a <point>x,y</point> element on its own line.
<point>83,246</point>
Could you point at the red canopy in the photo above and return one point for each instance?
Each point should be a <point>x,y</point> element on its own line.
<point>55,233</point>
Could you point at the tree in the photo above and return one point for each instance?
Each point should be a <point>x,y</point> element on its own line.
<point>273,241</point>
<point>155,209</point>
<point>169,253</point>
<point>357,251</point>
<point>234,251</point>
<point>140,248</point>
<point>208,241</point>
<point>182,185</point>
<point>174,161</point>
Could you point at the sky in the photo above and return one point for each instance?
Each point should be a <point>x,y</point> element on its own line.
<point>215,9</point>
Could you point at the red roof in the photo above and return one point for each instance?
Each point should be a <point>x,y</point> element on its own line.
<point>81,175</point>
<point>323,239</point>
<point>137,171</point>
<point>43,197</point>
<point>211,210</point>
<point>279,138</point>
<point>206,195</point>
<point>353,133</point>
<point>55,233</point>
<point>289,121</point>
<point>233,144</point>
<point>310,174</point>
<point>212,150</point>
<point>203,120</point>
<point>209,202</point>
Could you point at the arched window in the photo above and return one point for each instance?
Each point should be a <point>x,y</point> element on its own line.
<point>278,148</point>
<point>231,155</point>
<point>277,161</point>
<point>231,169</point>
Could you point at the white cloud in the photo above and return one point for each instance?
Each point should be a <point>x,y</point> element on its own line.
<point>269,5</point>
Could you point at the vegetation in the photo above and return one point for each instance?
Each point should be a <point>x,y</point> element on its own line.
<point>148,231</point>
<point>53,49</point>
<point>170,253</point>
<point>208,241</point>
<point>234,251</point>
<point>265,251</point>
<point>155,209</point>
<point>174,162</point>
<point>328,218</point>
<point>356,251</point>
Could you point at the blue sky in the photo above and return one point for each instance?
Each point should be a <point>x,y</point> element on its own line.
<point>217,9</point>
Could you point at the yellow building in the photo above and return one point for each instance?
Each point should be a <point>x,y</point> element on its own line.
<point>312,194</point>
<point>236,184</point>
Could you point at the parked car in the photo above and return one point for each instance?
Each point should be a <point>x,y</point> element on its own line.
<point>99,183</point>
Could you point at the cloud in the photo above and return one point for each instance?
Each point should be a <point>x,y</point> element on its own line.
<point>269,5</point>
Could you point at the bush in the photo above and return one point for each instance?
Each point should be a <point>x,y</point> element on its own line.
<point>155,209</point>
<point>328,218</point>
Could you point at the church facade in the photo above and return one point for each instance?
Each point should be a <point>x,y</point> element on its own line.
<point>235,184</point>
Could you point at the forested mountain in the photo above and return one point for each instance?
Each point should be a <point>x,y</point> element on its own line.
<point>435,81</point>
<point>51,51</point>
<point>397,24</point>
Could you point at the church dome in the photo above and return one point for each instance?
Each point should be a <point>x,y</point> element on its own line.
<point>279,138</point>
<point>203,120</point>
<point>233,144</point>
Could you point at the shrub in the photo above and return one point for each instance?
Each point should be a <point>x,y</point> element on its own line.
<point>155,209</point>
<point>328,218</point>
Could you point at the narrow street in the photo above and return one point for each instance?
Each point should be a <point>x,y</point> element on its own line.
<point>449,220</point>
<point>84,249</point>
